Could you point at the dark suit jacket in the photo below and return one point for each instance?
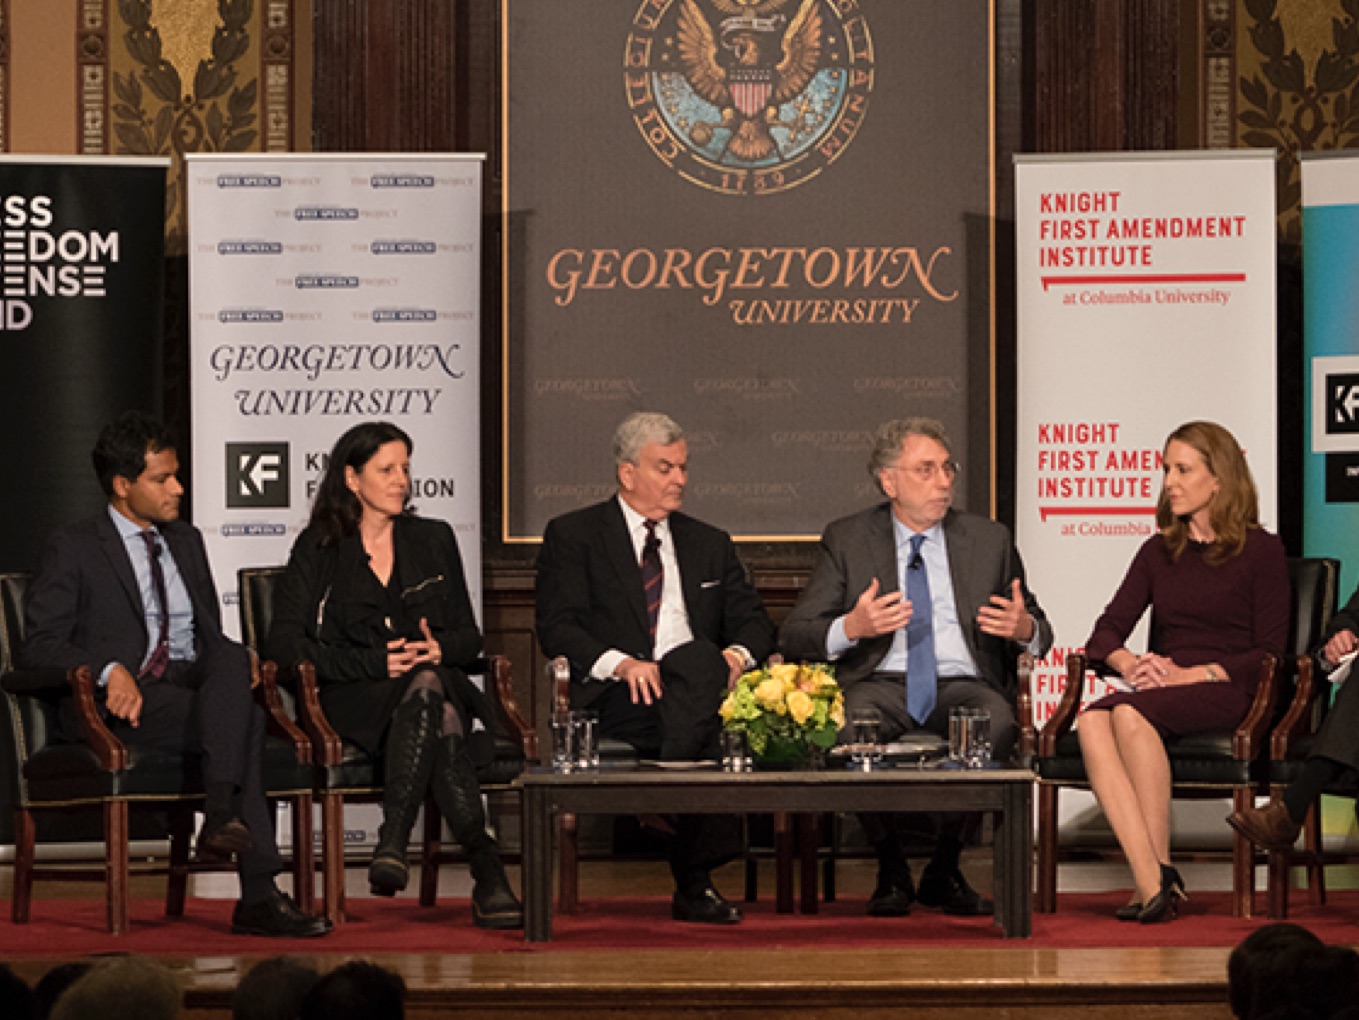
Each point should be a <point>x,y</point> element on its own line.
<point>83,607</point>
<point>854,550</point>
<point>323,612</point>
<point>589,596</point>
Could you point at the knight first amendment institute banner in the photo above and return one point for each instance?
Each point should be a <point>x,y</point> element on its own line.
<point>1146,287</point>
<point>326,291</point>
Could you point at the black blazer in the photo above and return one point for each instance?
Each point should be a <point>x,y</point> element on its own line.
<point>83,607</point>
<point>590,598</point>
<point>322,614</point>
<point>983,562</point>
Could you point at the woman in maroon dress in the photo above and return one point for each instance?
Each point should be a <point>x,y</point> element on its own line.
<point>1217,585</point>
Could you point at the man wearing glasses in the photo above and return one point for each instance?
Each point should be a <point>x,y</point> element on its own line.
<point>922,608</point>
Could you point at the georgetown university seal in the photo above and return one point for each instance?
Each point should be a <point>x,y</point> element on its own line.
<point>748,97</point>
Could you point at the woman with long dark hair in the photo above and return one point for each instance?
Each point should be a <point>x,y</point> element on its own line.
<point>375,598</point>
<point>1217,585</point>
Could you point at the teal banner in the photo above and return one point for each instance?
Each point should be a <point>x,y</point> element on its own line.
<point>1331,350</point>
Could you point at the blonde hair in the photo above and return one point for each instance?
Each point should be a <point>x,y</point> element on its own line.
<point>1235,509</point>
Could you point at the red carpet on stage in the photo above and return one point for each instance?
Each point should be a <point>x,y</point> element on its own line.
<point>76,927</point>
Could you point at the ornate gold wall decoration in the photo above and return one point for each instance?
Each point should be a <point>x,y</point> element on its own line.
<point>169,77</point>
<point>1297,71</point>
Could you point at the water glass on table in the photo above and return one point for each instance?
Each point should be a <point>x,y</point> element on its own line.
<point>563,743</point>
<point>585,739</point>
<point>978,754</point>
<point>736,755</point>
<point>969,737</point>
<point>865,749</point>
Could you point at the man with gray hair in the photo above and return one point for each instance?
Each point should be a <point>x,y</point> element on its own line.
<point>654,612</point>
<point>923,609</point>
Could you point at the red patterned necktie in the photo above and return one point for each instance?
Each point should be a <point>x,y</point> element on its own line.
<point>653,576</point>
<point>160,656</point>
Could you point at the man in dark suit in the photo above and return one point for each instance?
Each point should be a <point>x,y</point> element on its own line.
<point>130,595</point>
<point>1334,755</point>
<point>653,610</point>
<point>922,609</point>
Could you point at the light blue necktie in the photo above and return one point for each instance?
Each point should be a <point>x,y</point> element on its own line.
<point>921,668</point>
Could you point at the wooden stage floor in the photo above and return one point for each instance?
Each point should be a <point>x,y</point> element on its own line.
<point>1003,983</point>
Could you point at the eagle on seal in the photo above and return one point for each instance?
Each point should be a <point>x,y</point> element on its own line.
<point>752,62</point>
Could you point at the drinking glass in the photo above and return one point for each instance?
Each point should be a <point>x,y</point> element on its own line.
<point>585,735</point>
<point>959,720</point>
<point>978,754</point>
<point>865,751</point>
<point>736,751</point>
<point>563,743</point>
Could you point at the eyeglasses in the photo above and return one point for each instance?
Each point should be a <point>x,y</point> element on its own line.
<point>929,471</point>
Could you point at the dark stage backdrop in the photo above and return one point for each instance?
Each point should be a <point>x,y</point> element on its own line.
<point>771,219</point>
<point>81,315</point>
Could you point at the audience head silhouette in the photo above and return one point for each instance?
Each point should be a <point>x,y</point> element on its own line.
<point>358,990</point>
<point>122,988</point>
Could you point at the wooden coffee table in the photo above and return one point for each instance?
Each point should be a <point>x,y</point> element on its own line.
<point>1006,794</point>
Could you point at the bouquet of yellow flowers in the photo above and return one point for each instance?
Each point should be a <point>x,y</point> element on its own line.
<point>786,710</point>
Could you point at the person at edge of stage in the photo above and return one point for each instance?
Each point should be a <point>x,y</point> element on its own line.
<point>130,594</point>
<point>1216,583</point>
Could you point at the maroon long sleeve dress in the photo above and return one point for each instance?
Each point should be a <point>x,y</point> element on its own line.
<point>1233,613</point>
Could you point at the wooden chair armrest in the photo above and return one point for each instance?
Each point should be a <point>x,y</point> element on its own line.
<point>79,684</point>
<point>1249,738</point>
<point>1028,738</point>
<point>107,748</point>
<point>560,671</point>
<point>279,722</point>
<point>501,677</point>
<point>1064,716</point>
<point>327,747</point>
<point>1297,720</point>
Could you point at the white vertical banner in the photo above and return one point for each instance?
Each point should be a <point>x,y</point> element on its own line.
<point>327,290</point>
<point>1146,291</point>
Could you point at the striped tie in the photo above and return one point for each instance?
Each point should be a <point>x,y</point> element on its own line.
<point>653,576</point>
<point>160,655</point>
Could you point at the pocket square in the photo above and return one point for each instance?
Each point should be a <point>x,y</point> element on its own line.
<point>709,584</point>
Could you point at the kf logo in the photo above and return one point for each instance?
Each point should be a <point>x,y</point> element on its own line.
<point>1342,403</point>
<point>257,475</point>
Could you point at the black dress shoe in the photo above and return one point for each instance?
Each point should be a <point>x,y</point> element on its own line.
<point>892,897</point>
<point>276,916</point>
<point>949,891</point>
<point>705,907</point>
<point>221,837</point>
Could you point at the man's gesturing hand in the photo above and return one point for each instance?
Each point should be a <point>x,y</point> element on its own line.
<point>875,614</point>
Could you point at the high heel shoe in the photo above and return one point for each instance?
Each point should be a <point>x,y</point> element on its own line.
<point>1165,905</point>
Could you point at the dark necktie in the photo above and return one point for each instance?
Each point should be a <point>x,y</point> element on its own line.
<point>653,576</point>
<point>160,655</point>
<point>921,667</point>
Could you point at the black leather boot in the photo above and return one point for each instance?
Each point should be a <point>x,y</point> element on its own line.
<point>458,794</point>
<point>412,749</point>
